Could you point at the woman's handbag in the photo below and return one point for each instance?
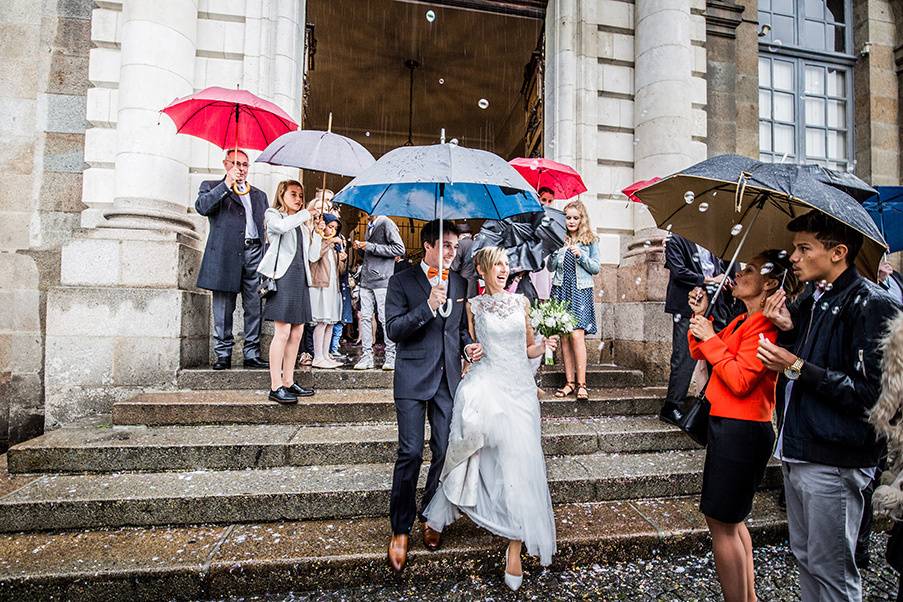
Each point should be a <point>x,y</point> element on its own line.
<point>695,421</point>
<point>268,285</point>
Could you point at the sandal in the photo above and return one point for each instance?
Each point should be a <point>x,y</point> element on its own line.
<point>566,390</point>
<point>582,392</point>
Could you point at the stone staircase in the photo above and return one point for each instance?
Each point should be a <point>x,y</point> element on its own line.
<point>212,490</point>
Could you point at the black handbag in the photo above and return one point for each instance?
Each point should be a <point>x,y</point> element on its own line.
<point>267,285</point>
<point>695,420</point>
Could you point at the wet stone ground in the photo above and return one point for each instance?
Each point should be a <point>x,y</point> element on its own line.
<point>683,578</point>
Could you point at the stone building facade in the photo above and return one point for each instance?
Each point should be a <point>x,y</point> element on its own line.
<point>99,243</point>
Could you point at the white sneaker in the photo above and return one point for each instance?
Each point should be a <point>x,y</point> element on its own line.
<point>365,363</point>
<point>389,365</point>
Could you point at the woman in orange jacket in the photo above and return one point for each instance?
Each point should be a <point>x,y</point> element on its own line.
<point>742,393</point>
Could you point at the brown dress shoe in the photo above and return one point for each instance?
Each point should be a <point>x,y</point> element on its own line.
<point>432,539</point>
<point>398,552</point>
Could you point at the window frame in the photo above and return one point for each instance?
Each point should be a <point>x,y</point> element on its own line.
<point>801,58</point>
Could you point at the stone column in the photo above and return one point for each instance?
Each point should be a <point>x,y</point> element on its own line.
<point>127,314</point>
<point>722,19</point>
<point>560,130</point>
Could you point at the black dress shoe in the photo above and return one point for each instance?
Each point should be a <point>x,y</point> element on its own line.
<point>300,391</point>
<point>256,362</point>
<point>222,363</point>
<point>671,414</point>
<point>283,396</point>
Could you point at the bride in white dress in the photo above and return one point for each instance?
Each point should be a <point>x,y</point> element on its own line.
<point>494,469</point>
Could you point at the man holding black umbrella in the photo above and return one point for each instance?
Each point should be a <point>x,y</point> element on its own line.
<point>829,365</point>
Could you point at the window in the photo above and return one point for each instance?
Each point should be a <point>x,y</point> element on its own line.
<point>805,82</point>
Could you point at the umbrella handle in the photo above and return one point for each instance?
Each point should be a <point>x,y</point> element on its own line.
<point>445,309</point>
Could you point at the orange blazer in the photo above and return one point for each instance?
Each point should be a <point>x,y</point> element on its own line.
<point>740,386</point>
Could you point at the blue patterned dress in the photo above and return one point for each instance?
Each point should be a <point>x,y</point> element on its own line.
<point>580,299</point>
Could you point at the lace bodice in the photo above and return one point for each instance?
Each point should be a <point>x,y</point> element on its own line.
<point>500,325</point>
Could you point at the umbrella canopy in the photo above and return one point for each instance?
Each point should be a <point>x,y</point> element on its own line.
<point>230,118</point>
<point>319,151</point>
<point>528,239</point>
<point>563,180</point>
<point>886,208</point>
<point>845,181</point>
<point>719,202</point>
<point>440,181</point>
<point>631,190</point>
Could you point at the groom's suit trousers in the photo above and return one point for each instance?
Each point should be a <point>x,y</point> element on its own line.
<point>410,413</point>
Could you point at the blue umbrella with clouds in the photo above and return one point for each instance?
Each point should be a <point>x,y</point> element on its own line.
<point>440,181</point>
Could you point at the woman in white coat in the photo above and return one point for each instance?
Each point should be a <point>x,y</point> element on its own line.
<point>286,261</point>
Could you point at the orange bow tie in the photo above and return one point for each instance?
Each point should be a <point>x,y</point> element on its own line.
<point>433,272</point>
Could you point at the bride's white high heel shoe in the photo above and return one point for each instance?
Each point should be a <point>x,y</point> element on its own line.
<point>512,581</point>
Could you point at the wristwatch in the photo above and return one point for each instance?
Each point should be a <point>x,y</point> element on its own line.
<point>792,372</point>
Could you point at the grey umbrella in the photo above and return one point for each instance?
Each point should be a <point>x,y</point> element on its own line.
<point>720,202</point>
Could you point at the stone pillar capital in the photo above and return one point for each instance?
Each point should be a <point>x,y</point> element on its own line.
<point>723,17</point>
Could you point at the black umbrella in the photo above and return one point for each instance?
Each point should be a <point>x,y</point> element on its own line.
<point>844,181</point>
<point>719,202</point>
<point>528,238</point>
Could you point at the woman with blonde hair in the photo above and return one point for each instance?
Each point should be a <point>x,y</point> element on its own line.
<point>290,244</point>
<point>573,267</point>
<point>494,469</point>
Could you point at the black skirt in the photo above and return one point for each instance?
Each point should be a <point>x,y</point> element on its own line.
<point>291,301</point>
<point>735,460</point>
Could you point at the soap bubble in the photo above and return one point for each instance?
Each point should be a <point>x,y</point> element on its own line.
<point>367,134</point>
<point>677,318</point>
<point>647,244</point>
<point>828,286</point>
<point>703,207</point>
<point>775,45</point>
<point>782,254</point>
<point>689,197</point>
<point>835,310</point>
<point>430,16</point>
<point>824,305</point>
<point>441,81</point>
<point>737,229</point>
<point>453,142</point>
<point>483,104</point>
<point>638,280</point>
<point>767,268</point>
<point>668,227</point>
<point>696,257</point>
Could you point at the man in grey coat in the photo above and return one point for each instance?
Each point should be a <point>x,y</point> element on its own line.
<point>382,246</point>
<point>234,250</point>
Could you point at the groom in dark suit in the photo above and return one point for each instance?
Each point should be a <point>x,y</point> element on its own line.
<point>430,347</point>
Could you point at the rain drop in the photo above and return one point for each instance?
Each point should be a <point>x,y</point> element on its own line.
<point>737,229</point>
<point>689,197</point>
<point>782,254</point>
<point>767,269</point>
<point>441,81</point>
<point>703,207</point>
<point>430,16</point>
<point>483,104</point>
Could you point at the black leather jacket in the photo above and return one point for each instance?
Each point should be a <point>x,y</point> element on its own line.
<point>837,336</point>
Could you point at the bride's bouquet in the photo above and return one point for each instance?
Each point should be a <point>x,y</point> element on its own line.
<point>552,318</point>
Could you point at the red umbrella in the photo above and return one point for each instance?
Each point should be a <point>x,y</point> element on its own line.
<point>562,179</point>
<point>230,118</point>
<point>631,190</point>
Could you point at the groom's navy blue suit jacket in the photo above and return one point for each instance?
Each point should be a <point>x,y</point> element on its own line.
<point>428,347</point>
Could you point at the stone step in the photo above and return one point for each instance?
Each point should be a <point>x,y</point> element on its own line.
<point>340,406</point>
<point>100,448</point>
<point>58,502</point>
<point>238,560</point>
<point>346,378</point>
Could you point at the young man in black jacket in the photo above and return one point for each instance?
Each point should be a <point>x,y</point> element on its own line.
<point>829,378</point>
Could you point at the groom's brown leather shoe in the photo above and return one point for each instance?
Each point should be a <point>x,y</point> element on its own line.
<point>432,539</point>
<point>398,552</point>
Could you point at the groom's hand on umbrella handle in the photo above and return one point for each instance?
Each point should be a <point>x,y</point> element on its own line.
<point>473,352</point>
<point>775,309</point>
<point>438,296</point>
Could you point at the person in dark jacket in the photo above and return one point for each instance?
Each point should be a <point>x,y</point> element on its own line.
<point>234,249</point>
<point>690,266</point>
<point>829,379</point>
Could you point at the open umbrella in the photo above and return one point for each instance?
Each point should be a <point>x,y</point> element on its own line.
<point>886,208</point>
<point>719,202</point>
<point>563,180</point>
<point>842,180</point>
<point>631,190</point>
<point>316,150</point>
<point>528,239</point>
<point>229,118</point>
<point>441,181</point>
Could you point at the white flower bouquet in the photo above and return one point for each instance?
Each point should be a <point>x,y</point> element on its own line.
<point>552,318</point>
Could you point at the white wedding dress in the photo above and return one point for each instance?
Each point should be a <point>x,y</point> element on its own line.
<point>494,470</point>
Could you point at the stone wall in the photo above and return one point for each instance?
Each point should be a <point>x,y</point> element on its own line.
<point>43,82</point>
